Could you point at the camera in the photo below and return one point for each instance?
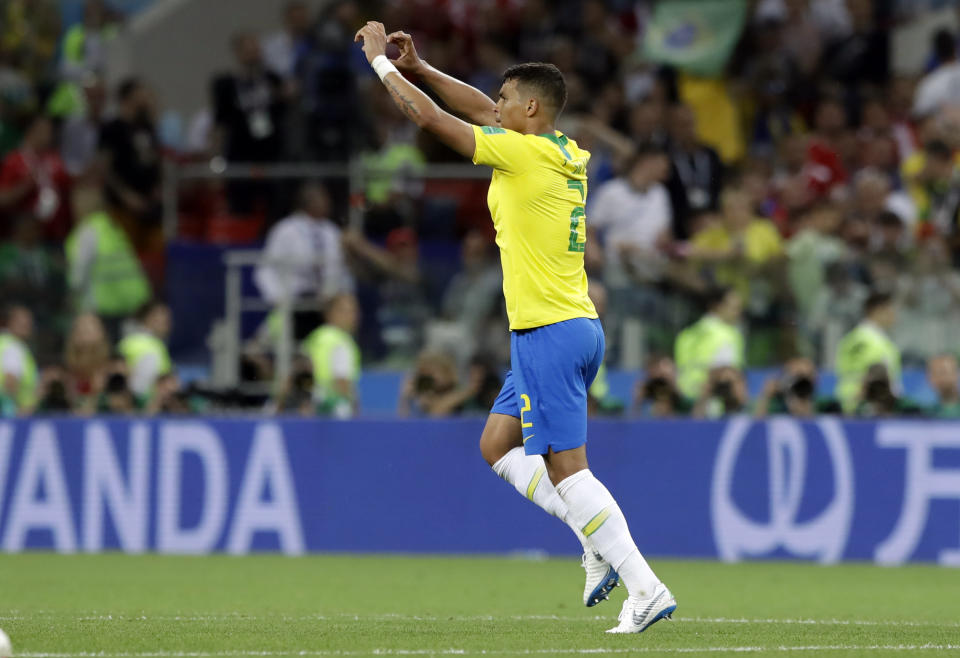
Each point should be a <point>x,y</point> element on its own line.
<point>56,397</point>
<point>303,382</point>
<point>724,391</point>
<point>116,383</point>
<point>424,383</point>
<point>800,386</point>
<point>656,388</point>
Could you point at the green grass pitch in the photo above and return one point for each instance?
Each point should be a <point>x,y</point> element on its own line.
<point>56,606</point>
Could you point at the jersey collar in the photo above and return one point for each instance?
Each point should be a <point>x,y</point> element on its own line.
<point>561,141</point>
<point>558,139</point>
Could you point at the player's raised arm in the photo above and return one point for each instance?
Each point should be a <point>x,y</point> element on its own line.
<point>416,105</point>
<point>460,97</point>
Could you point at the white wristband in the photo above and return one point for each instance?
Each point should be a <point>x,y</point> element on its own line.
<point>381,66</point>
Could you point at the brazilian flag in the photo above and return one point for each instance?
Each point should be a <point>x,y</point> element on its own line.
<point>696,36</point>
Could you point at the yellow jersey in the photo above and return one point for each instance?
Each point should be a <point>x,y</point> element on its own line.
<point>536,199</point>
<point>761,243</point>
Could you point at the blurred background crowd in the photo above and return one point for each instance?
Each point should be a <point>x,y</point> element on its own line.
<point>772,214</point>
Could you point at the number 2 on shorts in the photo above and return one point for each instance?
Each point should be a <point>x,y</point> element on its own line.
<point>524,409</point>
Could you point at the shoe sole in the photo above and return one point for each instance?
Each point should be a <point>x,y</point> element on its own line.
<point>602,591</point>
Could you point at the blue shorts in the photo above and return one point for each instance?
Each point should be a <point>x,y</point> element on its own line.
<point>551,368</point>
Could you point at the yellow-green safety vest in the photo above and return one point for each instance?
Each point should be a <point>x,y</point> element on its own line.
<point>26,395</point>
<point>67,98</point>
<point>864,346</point>
<point>138,345</point>
<point>697,351</point>
<point>384,168</point>
<point>319,346</point>
<point>119,286</point>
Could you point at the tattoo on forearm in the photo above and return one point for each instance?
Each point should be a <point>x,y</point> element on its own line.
<point>406,105</point>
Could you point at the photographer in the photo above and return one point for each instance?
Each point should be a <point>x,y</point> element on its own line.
<point>657,396</point>
<point>877,397</point>
<point>794,393</point>
<point>298,394</point>
<point>171,399</point>
<point>116,398</point>
<point>725,394</point>
<point>431,389</point>
<point>942,376</point>
<point>53,395</point>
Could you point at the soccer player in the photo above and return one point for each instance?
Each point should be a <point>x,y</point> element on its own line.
<point>538,424</point>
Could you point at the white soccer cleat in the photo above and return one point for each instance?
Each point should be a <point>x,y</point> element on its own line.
<point>639,614</point>
<point>601,579</point>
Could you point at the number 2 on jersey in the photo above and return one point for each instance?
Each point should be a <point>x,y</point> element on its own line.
<point>577,215</point>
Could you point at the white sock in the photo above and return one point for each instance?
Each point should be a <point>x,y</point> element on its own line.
<point>596,512</point>
<point>528,475</point>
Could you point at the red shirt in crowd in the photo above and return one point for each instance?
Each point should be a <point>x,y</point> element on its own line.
<point>824,168</point>
<point>49,197</point>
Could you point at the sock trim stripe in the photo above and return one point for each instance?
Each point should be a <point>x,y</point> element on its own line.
<point>535,482</point>
<point>594,524</point>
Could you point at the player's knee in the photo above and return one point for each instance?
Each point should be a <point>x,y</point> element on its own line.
<point>561,465</point>
<point>558,474</point>
<point>500,435</point>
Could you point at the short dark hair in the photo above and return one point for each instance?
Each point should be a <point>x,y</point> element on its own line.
<point>944,45</point>
<point>830,98</point>
<point>876,300</point>
<point>648,149</point>
<point>939,149</point>
<point>889,219</point>
<point>147,308</point>
<point>643,152</point>
<point>543,78</point>
<point>30,121</point>
<point>127,88</point>
<point>714,296</point>
<point>307,186</point>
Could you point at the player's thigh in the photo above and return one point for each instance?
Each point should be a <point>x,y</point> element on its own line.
<point>500,435</point>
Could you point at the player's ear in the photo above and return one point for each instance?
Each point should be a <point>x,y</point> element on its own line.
<point>532,106</point>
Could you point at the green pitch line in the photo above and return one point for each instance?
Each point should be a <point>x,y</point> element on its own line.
<point>181,607</point>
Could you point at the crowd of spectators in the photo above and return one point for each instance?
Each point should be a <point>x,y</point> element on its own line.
<point>756,217</point>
